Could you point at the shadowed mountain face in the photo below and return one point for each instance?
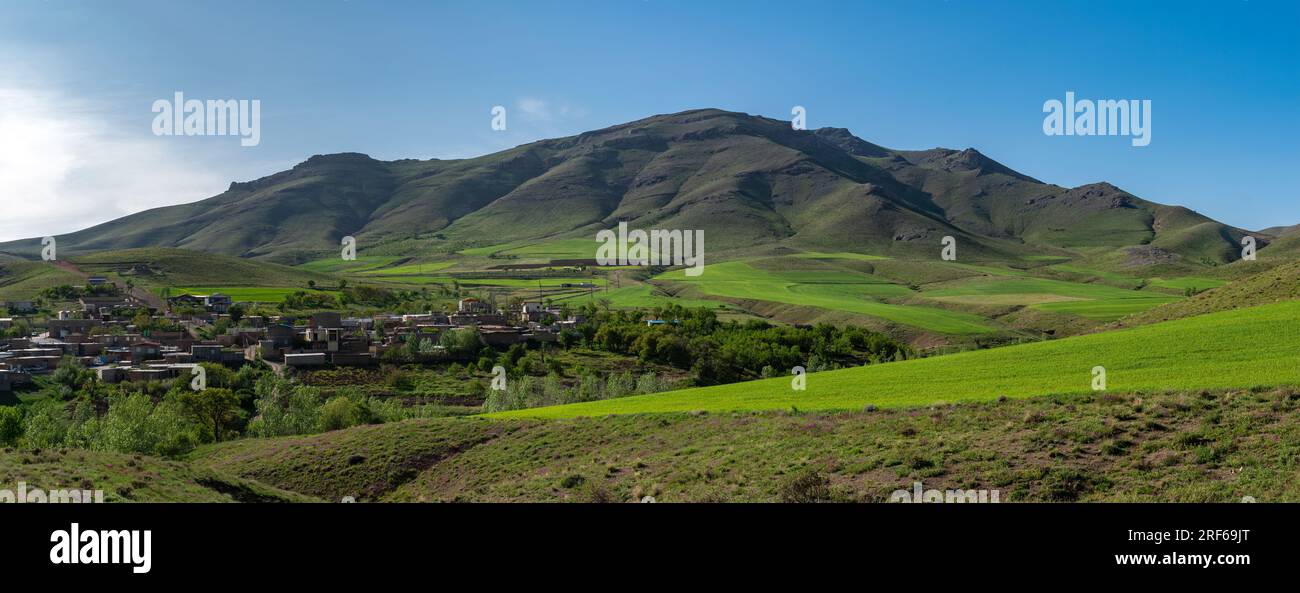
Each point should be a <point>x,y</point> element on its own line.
<point>747,181</point>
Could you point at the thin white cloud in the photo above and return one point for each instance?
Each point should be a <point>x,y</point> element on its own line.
<point>65,165</point>
<point>539,110</point>
<point>535,109</point>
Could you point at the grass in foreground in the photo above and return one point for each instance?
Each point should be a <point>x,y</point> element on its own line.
<point>1181,447</point>
<point>123,478</point>
<point>1242,348</point>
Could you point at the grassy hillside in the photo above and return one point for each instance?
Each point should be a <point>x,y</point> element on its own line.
<point>1278,284</point>
<point>179,267</point>
<point>1185,447</point>
<point>23,280</point>
<point>129,478</point>
<point>365,463</point>
<point>1241,348</point>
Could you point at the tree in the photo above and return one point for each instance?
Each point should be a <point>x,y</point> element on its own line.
<point>214,409</point>
<point>311,284</point>
<point>236,313</point>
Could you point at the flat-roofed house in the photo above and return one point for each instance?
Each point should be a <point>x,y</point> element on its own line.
<point>146,350</point>
<point>307,359</point>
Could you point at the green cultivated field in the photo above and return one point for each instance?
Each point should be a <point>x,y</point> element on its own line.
<point>840,290</point>
<point>1107,310</point>
<point>1183,283</point>
<point>1242,348</point>
<point>642,297</point>
<point>581,248</point>
<point>840,255</point>
<point>245,294</point>
<point>1094,301</point>
<point>336,265</point>
<point>408,269</point>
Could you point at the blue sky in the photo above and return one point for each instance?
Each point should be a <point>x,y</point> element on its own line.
<point>418,80</point>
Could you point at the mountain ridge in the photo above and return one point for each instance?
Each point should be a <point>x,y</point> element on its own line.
<point>747,180</point>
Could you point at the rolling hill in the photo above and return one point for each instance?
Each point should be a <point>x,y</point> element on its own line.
<point>1148,447</point>
<point>748,181</point>
<point>153,269</point>
<point>1230,349</point>
<point>1271,285</point>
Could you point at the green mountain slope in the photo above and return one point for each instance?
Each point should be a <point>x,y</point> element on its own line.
<point>747,181</point>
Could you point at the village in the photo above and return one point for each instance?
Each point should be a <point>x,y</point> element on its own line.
<point>103,334</point>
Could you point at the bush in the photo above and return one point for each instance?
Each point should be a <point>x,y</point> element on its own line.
<point>805,487</point>
<point>398,379</point>
<point>11,425</point>
<point>343,412</point>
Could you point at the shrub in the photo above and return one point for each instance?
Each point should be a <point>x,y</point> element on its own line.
<point>805,487</point>
<point>398,379</point>
<point>11,425</point>
<point>343,412</point>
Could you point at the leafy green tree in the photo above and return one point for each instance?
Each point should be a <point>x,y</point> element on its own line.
<point>46,424</point>
<point>237,313</point>
<point>284,408</point>
<point>134,424</point>
<point>214,409</point>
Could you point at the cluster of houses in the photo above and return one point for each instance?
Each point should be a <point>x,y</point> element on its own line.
<point>102,336</point>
